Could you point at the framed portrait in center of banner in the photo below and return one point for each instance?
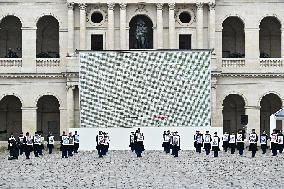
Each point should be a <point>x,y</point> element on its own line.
<point>226,137</point>
<point>215,141</point>
<point>262,139</point>
<point>176,140</point>
<point>65,140</point>
<point>280,139</point>
<point>77,139</point>
<point>239,137</point>
<point>207,138</point>
<point>252,138</point>
<point>37,140</point>
<point>274,138</point>
<point>29,141</point>
<point>199,139</point>
<point>51,140</point>
<point>232,139</point>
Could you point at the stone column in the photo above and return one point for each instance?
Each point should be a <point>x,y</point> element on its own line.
<point>199,25</point>
<point>212,25</point>
<point>29,120</point>
<point>123,26</point>
<point>172,29</point>
<point>282,42</point>
<point>82,7</point>
<point>213,101</point>
<point>28,49</point>
<point>110,28</point>
<point>252,48</point>
<point>63,121</point>
<point>70,106</point>
<point>159,34</point>
<point>70,29</point>
<point>253,113</point>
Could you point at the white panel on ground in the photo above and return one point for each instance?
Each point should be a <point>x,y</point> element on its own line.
<point>119,137</point>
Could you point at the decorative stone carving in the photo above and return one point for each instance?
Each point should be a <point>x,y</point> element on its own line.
<point>159,6</point>
<point>70,6</point>
<point>82,6</point>
<point>123,6</point>
<point>110,6</point>
<point>141,8</point>
<point>199,6</point>
<point>212,6</point>
<point>96,8</point>
<point>172,6</point>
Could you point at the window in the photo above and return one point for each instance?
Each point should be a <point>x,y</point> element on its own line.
<point>184,41</point>
<point>184,17</point>
<point>97,17</point>
<point>97,42</point>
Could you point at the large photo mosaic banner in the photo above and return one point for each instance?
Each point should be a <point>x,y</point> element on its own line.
<point>145,88</point>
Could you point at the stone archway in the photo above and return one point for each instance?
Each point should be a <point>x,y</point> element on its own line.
<point>233,38</point>
<point>47,40</point>
<point>10,37</point>
<point>141,32</point>
<point>270,38</point>
<point>233,108</point>
<point>10,117</point>
<point>269,104</point>
<point>48,115</point>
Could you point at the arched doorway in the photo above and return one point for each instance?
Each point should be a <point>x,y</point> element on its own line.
<point>269,104</point>
<point>270,38</point>
<point>10,37</point>
<point>233,108</point>
<point>48,115</point>
<point>47,37</point>
<point>10,117</point>
<point>233,38</point>
<point>141,32</point>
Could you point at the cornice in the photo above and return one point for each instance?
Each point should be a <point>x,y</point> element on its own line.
<point>40,75</point>
<point>248,75</point>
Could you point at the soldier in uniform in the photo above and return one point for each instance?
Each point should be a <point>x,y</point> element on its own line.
<point>280,142</point>
<point>225,139</point>
<point>232,142</point>
<point>253,138</point>
<point>70,146</point>
<point>166,142</point>
<point>175,144</point>
<point>105,143</point>
<point>76,142</point>
<point>41,147</point>
<point>64,141</point>
<point>263,142</point>
<point>131,141</point>
<point>240,142</point>
<point>37,144</point>
<point>13,148</point>
<point>139,146</point>
<point>28,145</point>
<point>199,142</point>
<point>215,144</point>
<point>273,141</point>
<point>20,142</point>
<point>50,142</point>
<point>99,140</point>
<point>207,142</point>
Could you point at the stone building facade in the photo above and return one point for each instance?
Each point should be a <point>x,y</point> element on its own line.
<point>39,68</point>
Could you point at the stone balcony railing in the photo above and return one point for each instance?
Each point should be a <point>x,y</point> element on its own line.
<point>47,62</point>
<point>271,62</point>
<point>11,62</point>
<point>233,62</point>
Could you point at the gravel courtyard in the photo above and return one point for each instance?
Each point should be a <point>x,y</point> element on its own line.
<point>121,169</point>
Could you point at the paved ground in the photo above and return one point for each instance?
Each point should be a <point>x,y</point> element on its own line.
<point>121,169</point>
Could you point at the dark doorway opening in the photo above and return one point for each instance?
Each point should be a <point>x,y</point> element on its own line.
<point>184,41</point>
<point>97,42</point>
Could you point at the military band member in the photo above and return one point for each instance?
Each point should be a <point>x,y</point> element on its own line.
<point>41,147</point>
<point>76,142</point>
<point>99,140</point>
<point>166,141</point>
<point>280,141</point>
<point>20,142</point>
<point>28,145</point>
<point>273,143</point>
<point>199,142</point>
<point>139,146</point>
<point>207,142</point>
<point>194,139</point>
<point>225,139</point>
<point>215,144</point>
<point>50,142</point>
<point>253,138</point>
<point>175,144</point>
<point>232,142</point>
<point>64,141</point>
<point>263,142</point>
<point>37,144</point>
<point>240,142</point>
<point>105,143</point>
<point>70,145</point>
<point>13,147</point>
<point>131,141</point>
